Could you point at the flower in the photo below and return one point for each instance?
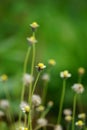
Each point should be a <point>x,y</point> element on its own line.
<point>67,112</point>
<point>68,118</point>
<point>34,26</point>
<point>36,100</point>
<point>32,40</point>
<point>40,66</point>
<point>65,74</point>
<point>4,104</point>
<point>4,77</point>
<point>42,122</point>
<point>22,128</point>
<point>82,116</point>
<point>79,123</point>
<point>26,109</point>
<point>78,88</point>
<point>40,108</point>
<point>23,104</point>
<point>52,62</point>
<point>81,70</point>
<point>58,127</point>
<point>50,103</point>
<point>46,77</point>
<point>27,79</point>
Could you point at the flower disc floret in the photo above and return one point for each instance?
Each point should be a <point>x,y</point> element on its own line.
<point>40,66</point>
<point>65,74</point>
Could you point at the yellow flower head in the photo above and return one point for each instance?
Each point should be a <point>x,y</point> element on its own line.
<point>81,70</point>
<point>4,77</point>
<point>40,108</point>
<point>52,62</point>
<point>65,74</point>
<point>25,128</point>
<point>68,118</point>
<point>50,103</point>
<point>34,25</point>
<point>32,40</point>
<point>79,123</point>
<point>40,66</point>
<point>82,116</point>
<point>27,109</point>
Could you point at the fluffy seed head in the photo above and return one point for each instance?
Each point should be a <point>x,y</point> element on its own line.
<point>42,122</point>
<point>36,100</point>
<point>78,88</point>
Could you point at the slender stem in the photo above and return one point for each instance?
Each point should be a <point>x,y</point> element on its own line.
<point>80,79</point>
<point>74,109</point>
<point>79,102</point>
<point>45,88</point>
<point>10,114</point>
<point>29,118</point>
<point>25,122</point>
<point>30,88</point>
<point>49,125</point>
<point>68,126</point>
<point>61,102</point>
<point>35,83</point>
<point>23,88</point>
<point>45,112</point>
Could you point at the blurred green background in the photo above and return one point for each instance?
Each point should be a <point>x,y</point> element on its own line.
<point>62,35</point>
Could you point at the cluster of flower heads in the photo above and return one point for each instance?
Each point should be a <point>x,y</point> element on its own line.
<point>37,104</point>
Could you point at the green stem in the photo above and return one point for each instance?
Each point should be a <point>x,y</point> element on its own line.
<point>30,88</point>
<point>45,112</point>
<point>61,102</point>
<point>29,118</point>
<point>25,122</point>
<point>74,109</point>
<point>45,88</point>
<point>35,83</point>
<point>23,88</point>
<point>10,114</point>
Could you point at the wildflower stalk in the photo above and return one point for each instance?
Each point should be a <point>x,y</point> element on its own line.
<point>30,87</point>
<point>25,122</point>
<point>29,118</point>
<point>23,88</point>
<point>74,109</point>
<point>45,112</point>
<point>45,88</point>
<point>35,83</point>
<point>61,102</point>
<point>9,111</point>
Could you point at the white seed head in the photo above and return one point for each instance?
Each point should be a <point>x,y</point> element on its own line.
<point>65,74</point>
<point>67,112</point>
<point>27,79</point>
<point>46,77</point>
<point>58,127</point>
<point>36,100</point>
<point>78,88</point>
<point>4,104</point>
<point>42,122</point>
<point>23,104</point>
